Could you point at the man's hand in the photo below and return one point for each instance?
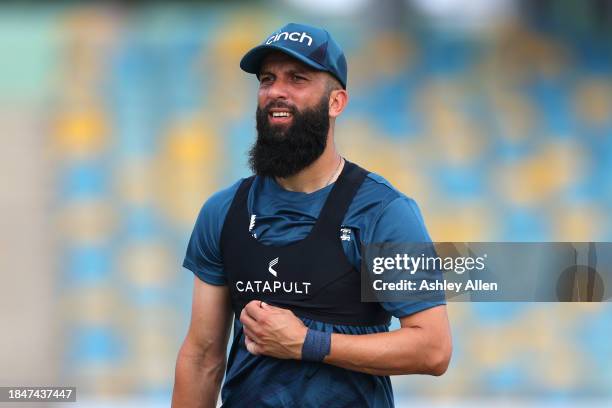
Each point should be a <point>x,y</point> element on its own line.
<point>272,331</point>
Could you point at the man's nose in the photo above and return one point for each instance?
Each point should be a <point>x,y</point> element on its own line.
<point>277,90</point>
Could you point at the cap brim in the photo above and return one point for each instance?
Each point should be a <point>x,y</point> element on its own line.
<point>251,62</point>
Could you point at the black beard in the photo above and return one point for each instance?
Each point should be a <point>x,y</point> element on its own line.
<point>282,151</point>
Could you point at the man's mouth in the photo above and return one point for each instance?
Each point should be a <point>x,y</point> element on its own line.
<point>279,116</point>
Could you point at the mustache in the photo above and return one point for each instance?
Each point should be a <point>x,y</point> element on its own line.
<point>279,105</point>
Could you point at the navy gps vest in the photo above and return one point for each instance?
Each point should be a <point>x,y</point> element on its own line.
<point>311,277</point>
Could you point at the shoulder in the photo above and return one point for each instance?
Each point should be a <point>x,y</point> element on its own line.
<point>390,213</point>
<point>203,255</point>
<point>222,199</point>
<point>377,187</point>
<point>376,191</point>
<point>215,208</point>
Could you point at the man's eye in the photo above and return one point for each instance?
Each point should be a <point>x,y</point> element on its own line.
<point>299,77</point>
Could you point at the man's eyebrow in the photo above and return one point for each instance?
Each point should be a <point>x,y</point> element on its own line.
<point>300,71</point>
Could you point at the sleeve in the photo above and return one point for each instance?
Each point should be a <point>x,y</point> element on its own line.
<point>203,255</point>
<point>401,222</point>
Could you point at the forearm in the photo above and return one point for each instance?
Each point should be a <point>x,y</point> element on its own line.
<point>421,346</point>
<point>408,350</point>
<point>198,378</point>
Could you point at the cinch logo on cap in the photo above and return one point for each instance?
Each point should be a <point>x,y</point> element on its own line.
<point>294,36</point>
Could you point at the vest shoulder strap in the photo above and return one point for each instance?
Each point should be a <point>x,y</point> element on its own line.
<point>237,216</point>
<point>340,197</point>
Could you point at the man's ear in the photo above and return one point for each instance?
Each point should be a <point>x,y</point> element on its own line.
<point>338,98</point>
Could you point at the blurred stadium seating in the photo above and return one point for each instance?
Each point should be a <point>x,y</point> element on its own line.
<point>501,135</point>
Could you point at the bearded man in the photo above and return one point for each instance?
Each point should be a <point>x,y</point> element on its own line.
<point>279,254</point>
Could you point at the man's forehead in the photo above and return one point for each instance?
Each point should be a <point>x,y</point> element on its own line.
<point>281,61</point>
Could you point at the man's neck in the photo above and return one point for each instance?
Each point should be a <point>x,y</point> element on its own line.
<point>322,172</point>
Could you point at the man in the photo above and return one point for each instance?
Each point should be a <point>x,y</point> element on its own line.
<point>281,250</point>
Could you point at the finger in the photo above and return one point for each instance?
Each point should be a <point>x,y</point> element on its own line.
<point>271,308</point>
<point>250,326</point>
<point>251,347</point>
<point>254,310</point>
<point>250,334</point>
<point>268,307</point>
<point>247,321</point>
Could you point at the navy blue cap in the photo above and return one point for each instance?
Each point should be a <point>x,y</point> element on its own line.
<point>311,45</point>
